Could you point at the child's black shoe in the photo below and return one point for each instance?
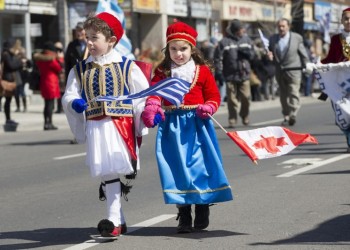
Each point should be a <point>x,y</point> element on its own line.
<point>201,221</point>
<point>185,220</point>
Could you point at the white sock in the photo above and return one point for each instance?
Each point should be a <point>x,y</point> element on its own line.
<point>113,192</point>
<point>122,219</point>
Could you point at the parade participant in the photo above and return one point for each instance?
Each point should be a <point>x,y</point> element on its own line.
<point>187,150</point>
<point>110,128</point>
<point>288,51</point>
<point>339,51</point>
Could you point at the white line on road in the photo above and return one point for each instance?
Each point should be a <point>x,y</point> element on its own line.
<point>69,156</point>
<point>133,228</point>
<point>314,165</point>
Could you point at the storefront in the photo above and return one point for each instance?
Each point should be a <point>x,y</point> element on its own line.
<point>15,21</point>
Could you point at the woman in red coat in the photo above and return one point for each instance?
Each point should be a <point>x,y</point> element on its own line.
<point>49,63</point>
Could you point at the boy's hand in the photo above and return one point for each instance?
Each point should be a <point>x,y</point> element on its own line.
<point>153,114</point>
<point>79,105</point>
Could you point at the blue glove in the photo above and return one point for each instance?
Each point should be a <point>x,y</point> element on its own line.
<point>79,105</point>
<point>157,119</point>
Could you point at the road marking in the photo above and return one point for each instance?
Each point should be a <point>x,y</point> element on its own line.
<point>150,222</point>
<point>69,156</point>
<point>299,162</point>
<point>314,165</point>
<point>133,228</point>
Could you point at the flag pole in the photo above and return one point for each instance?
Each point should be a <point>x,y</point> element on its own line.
<point>217,123</point>
<point>254,161</point>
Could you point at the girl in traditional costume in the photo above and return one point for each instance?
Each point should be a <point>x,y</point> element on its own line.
<point>111,129</point>
<point>187,150</point>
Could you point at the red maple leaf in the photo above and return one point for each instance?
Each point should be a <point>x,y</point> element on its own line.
<point>271,144</point>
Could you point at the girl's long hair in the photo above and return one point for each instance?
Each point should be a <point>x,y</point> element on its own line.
<point>196,55</point>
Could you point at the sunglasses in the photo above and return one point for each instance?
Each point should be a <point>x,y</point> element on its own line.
<point>59,49</point>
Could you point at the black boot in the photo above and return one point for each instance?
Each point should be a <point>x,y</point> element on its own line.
<point>201,221</point>
<point>185,220</point>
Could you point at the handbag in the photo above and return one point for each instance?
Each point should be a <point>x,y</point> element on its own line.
<point>7,88</point>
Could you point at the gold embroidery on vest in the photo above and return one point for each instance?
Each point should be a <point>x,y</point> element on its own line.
<point>346,47</point>
<point>94,80</point>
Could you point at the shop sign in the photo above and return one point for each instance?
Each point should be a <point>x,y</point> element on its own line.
<point>176,7</point>
<point>321,9</point>
<point>146,6</point>
<point>200,9</point>
<point>17,5</point>
<point>242,10</point>
<point>336,11</point>
<point>308,13</point>
<point>266,13</point>
<point>18,30</point>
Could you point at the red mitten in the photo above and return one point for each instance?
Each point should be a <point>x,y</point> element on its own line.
<point>149,114</point>
<point>204,110</point>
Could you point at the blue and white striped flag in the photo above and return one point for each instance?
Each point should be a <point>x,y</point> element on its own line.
<point>124,46</point>
<point>172,89</point>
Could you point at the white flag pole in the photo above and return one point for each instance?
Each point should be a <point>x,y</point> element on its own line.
<point>255,162</point>
<point>217,123</point>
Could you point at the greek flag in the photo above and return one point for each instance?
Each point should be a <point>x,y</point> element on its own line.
<point>334,80</point>
<point>111,6</point>
<point>172,89</point>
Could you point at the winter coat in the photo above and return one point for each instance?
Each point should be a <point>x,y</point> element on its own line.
<point>49,67</point>
<point>233,56</point>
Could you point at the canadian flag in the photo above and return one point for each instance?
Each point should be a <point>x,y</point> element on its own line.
<point>268,142</point>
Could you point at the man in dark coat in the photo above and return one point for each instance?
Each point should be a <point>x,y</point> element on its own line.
<point>76,50</point>
<point>233,56</point>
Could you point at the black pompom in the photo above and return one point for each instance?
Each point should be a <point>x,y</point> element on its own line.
<point>105,227</point>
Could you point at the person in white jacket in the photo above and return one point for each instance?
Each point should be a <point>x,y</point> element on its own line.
<point>112,130</point>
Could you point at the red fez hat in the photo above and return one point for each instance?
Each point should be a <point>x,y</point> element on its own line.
<point>346,10</point>
<point>113,23</point>
<point>181,31</point>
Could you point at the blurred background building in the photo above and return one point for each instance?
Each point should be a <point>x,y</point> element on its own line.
<point>36,21</point>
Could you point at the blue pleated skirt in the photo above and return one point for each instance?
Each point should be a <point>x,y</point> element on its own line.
<point>189,160</point>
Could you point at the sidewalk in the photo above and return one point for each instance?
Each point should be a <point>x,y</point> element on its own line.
<point>33,119</point>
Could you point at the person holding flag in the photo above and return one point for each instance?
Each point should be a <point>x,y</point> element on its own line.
<point>112,130</point>
<point>339,51</point>
<point>188,154</point>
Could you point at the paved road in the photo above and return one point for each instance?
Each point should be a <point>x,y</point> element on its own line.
<point>49,201</point>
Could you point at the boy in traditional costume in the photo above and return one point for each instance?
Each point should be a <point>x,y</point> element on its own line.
<point>187,150</point>
<point>112,130</point>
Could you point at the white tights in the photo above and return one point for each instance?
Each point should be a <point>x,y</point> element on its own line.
<point>114,208</point>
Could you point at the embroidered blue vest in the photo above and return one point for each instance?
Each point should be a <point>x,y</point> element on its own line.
<point>107,80</point>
